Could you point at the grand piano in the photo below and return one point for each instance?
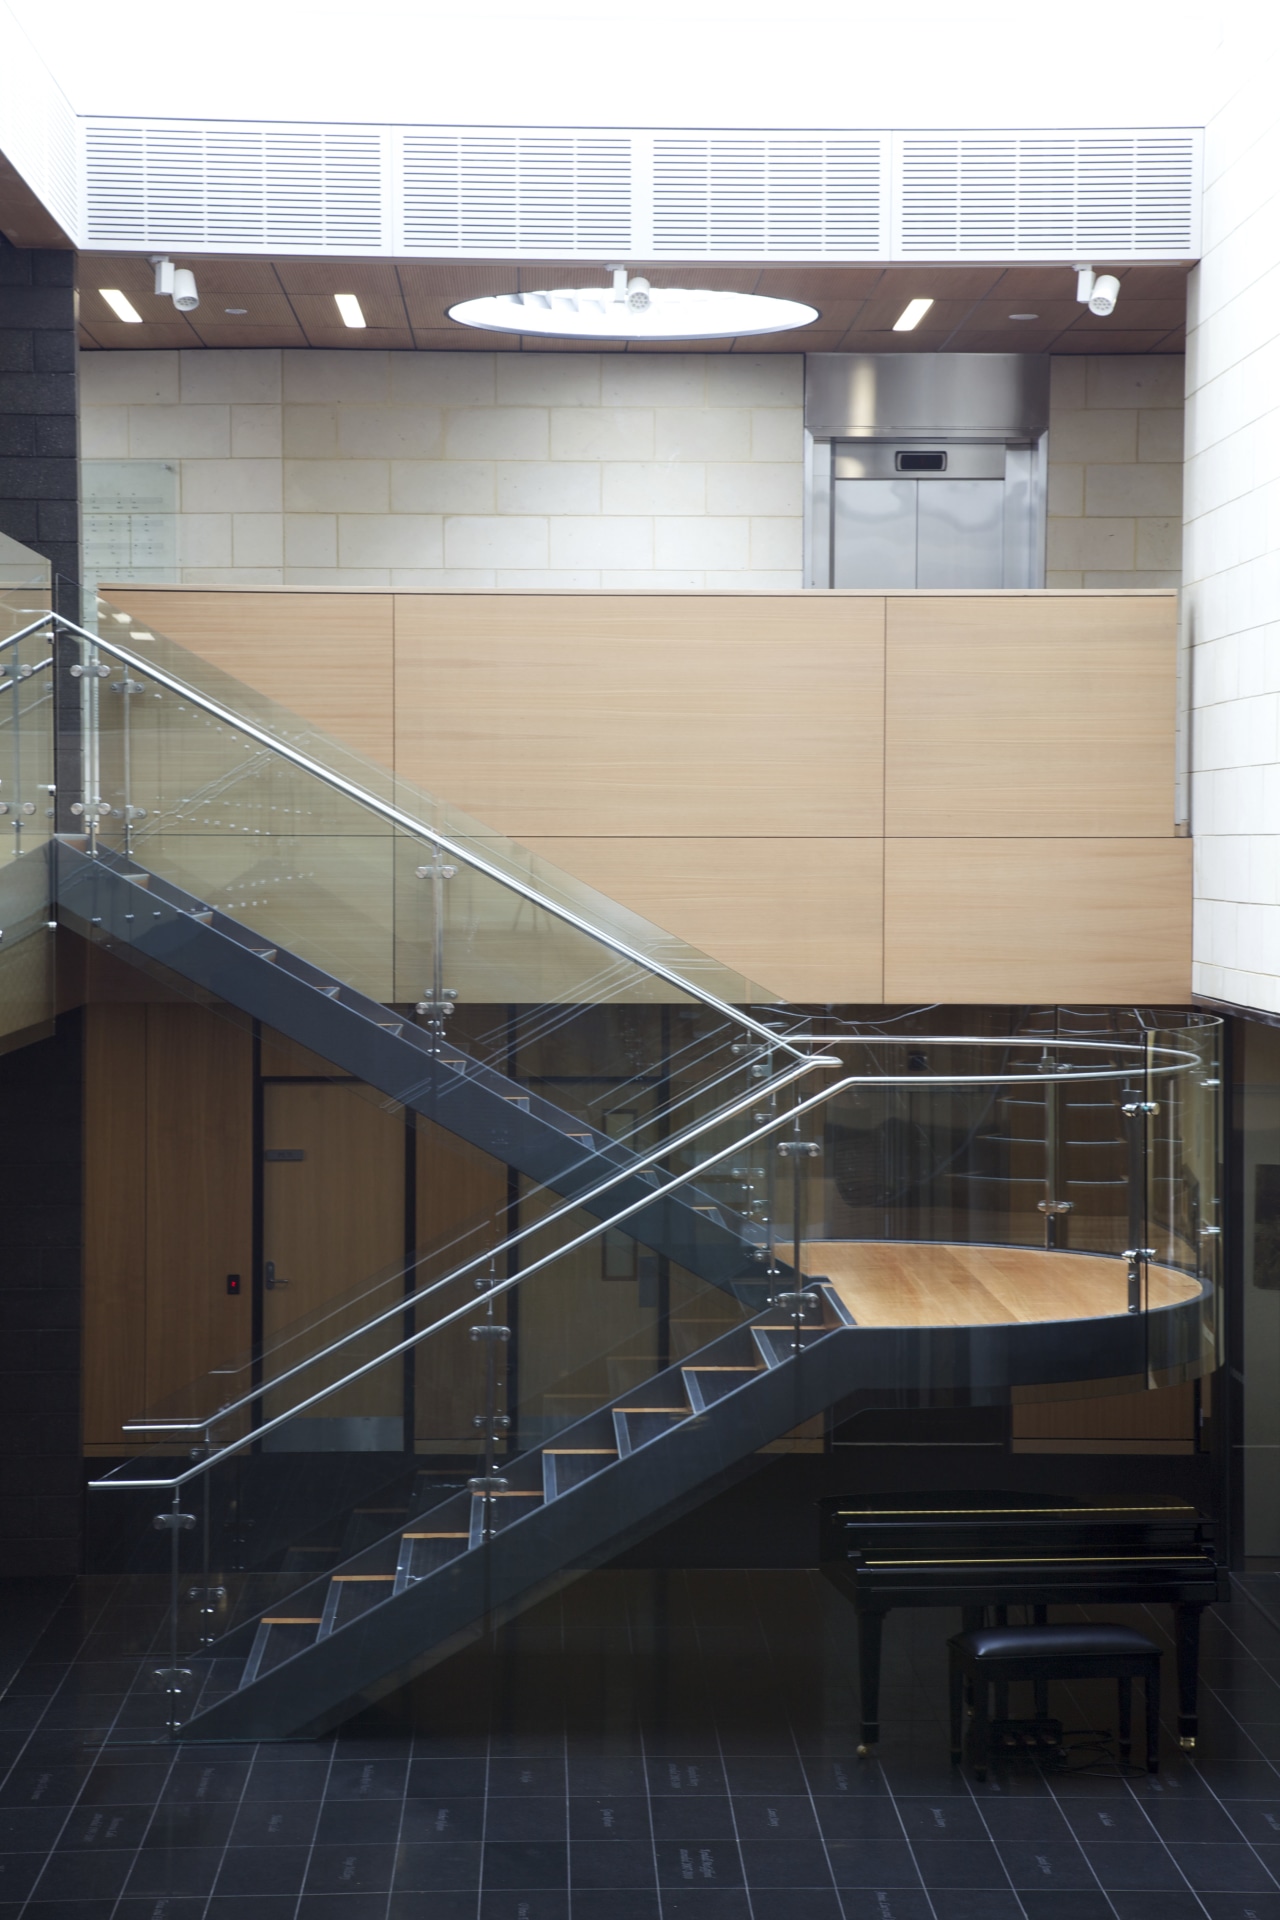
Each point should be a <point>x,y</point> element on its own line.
<point>980,1551</point>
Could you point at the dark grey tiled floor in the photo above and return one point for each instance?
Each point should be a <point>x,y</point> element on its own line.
<point>644,1747</point>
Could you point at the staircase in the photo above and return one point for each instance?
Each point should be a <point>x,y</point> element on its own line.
<point>420,1591</point>
<point>113,901</point>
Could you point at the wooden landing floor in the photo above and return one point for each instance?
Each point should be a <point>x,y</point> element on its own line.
<point>933,1284</point>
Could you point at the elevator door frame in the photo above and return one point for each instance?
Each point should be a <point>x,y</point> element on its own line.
<point>1025,501</point>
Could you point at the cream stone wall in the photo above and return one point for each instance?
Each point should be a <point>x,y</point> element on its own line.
<point>1115,471</point>
<point>382,469</point>
<point>464,469</point>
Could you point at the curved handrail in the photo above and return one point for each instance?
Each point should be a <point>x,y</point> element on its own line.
<point>482,1299</point>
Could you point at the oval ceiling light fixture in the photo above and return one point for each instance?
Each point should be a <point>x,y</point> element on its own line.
<point>633,310</point>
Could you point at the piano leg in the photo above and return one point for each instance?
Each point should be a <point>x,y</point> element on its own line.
<point>870,1635</point>
<point>1187,1626</point>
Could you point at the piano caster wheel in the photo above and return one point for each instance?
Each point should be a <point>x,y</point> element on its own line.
<point>866,1749</point>
<point>1187,1741</point>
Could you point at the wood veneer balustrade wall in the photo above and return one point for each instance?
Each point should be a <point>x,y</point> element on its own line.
<point>851,797</point>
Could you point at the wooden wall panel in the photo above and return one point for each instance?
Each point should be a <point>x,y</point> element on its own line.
<point>326,656</point>
<point>800,917</point>
<point>1159,1421</point>
<point>199,1152</point>
<point>1029,714</point>
<point>1075,921</point>
<point>847,797</point>
<point>115,1219</point>
<point>646,713</point>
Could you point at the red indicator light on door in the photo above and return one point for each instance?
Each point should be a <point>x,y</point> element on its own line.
<point>233,1283</point>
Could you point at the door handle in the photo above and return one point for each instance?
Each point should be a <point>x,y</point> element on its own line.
<point>274,1279</point>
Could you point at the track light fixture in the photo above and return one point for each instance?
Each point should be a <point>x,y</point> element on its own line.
<point>178,282</point>
<point>1099,290</point>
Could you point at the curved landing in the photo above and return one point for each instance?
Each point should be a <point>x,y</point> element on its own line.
<point>947,1284</point>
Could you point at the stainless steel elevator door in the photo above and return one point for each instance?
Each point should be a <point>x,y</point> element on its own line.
<point>960,533</point>
<point>918,516</point>
<point>874,537</point>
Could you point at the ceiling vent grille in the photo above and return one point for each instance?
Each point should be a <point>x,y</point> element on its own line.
<point>782,197</point>
<point>1047,196</point>
<point>184,186</point>
<point>532,194</point>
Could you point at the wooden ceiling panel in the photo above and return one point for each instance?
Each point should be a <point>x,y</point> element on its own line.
<point>238,333</point>
<point>463,340</point>
<point>162,334</point>
<point>359,339</point>
<point>131,271</point>
<point>317,312</point>
<point>943,317</point>
<point>821,286</point>
<point>369,279</point>
<point>290,302</point>
<point>1118,342</point>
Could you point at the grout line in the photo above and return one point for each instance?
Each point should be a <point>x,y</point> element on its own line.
<point>231,1829</point>
<point>804,1771</point>
<point>324,1793</point>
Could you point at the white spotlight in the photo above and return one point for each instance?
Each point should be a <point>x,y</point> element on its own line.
<point>1100,291</point>
<point>178,282</point>
<point>350,309</point>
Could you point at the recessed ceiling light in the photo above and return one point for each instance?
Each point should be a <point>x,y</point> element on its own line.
<point>911,316</point>
<point>633,310</point>
<point>1024,316</point>
<point>122,308</point>
<point>349,307</point>
<point>235,310</point>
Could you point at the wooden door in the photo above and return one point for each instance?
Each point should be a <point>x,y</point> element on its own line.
<point>333,1248</point>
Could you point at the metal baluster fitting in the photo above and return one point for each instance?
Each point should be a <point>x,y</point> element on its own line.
<point>492,1423</point>
<point>797,1299</point>
<point>173,1679</point>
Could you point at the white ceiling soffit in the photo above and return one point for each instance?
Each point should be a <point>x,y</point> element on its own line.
<point>697,195</point>
<point>39,134</point>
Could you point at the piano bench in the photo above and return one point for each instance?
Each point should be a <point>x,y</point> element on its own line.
<point>994,1656</point>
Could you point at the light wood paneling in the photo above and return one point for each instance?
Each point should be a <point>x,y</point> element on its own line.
<point>801,917</point>
<point>671,714</point>
<point>461,1207</point>
<point>324,656</point>
<point>199,1194</point>
<point>1161,1421</point>
<point>1031,715</point>
<point>115,1219</point>
<point>995,921</point>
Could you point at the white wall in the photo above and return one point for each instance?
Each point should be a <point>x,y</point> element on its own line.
<point>556,469</point>
<point>464,469</point>
<point>1232,535</point>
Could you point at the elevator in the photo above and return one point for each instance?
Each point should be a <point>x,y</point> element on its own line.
<point>925,470</point>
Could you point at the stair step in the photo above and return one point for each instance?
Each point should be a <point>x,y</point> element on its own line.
<point>564,1468</point>
<point>637,1426</point>
<point>503,1510</point>
<point>279,1637</point>
<point>350,1595</point>
<point>520,1100</point>
<point>422,1553</point>
<point>706,1385</point>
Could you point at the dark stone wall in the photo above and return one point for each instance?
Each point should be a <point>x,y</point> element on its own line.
<point>38,444</point>
<point>41,1477</point>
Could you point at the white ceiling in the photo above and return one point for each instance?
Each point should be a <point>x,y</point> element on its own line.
<point>708,63</point>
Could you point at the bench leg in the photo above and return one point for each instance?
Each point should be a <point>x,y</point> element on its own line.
<point>956,1683</point>
<point>1153,1717</point>
<point>1124,1687</point>
<point>979,1727</point>
<point>1187,1626</point>
<point>870,1635</point>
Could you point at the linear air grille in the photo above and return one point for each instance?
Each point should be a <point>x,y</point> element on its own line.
<point>295,189</point>
<point>1045,196</point>
<point>533,194</point>
<point>780,197</point>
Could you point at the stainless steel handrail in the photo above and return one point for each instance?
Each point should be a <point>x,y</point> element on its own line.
<point>1179,1062</point>
<point>477,1302</point>
<point>640,1165</point>
<point>500,1287</point>
<point>409,824</point>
